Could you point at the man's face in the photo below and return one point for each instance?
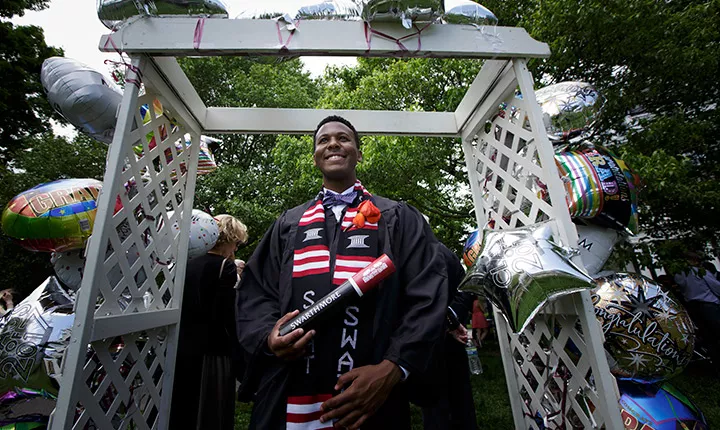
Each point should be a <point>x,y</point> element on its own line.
<point>336,152</point>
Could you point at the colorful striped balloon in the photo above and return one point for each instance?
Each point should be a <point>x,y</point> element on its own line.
<point>599,186</point>
<point>55,216</point>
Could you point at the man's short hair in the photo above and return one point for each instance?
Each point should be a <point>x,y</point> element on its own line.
<point>337,118</point>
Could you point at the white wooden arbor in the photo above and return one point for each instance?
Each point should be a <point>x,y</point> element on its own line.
<point>132,289</point>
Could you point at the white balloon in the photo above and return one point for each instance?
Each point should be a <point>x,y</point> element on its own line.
<point>69,266</point>
<point>204,233</point>
<point>596,245</point>
<point>82,95</point>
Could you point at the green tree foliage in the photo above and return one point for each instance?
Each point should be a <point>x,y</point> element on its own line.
<point>24,110</point>
<point>246,179</point>
<point>44,158</point>
<point>657,61</point>
<point>10,8</point>
<point>428,173</point>
<point>25,159</point>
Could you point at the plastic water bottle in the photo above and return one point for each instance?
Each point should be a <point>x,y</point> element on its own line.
<point>473,358</point>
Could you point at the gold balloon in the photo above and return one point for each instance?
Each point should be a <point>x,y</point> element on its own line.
<point>648,334</point>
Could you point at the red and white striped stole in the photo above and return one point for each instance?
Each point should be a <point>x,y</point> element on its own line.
<point>303,412</point>
<point>314,257</point>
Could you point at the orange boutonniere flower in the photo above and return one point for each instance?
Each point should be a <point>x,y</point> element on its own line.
<point>367,211</point>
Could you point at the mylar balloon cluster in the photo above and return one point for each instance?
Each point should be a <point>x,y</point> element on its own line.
<point>405,11</point>
<point>570,109</point>
<point>520,270</point>
<point>468,12</point>
<point>69,267</point>
<point>329,10</point>
<point>34,337</point>
<point>595,245</point>
<point>34,331</point>
<point>113,13</point>
<point>648,335</point>
<point>599,186</point>
<point>645,407</point>
<point>82,95</point>
<point>56,216</point>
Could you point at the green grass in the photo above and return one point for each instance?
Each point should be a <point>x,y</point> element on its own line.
<point>701,384</point>
<point>492,405</point>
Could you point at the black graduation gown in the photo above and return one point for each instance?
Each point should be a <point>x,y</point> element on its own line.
<point>410,309</point>
<point>454,407</point>
<point>204,384</point>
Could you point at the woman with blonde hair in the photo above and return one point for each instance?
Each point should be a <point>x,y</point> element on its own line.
<point>207,342</point>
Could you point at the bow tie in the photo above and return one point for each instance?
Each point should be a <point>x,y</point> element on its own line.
<point>332,199</point>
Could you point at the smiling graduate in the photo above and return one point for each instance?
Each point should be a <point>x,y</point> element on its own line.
<point>358,367</point>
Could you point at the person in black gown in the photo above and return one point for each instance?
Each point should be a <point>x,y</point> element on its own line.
<point>358,367</point>
<point>204,384</point>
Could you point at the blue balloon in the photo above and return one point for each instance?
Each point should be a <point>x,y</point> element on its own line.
<point>472,247</point>
<point>658,407</point>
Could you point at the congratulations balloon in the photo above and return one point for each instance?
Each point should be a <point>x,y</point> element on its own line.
<point>82,95</point>
<point>113,13</point>
<point>203,233</point>
<point>33,331</point>
<point>468,12</point>
<point>595,245</point>
<point>69,266</point>
<point>599,186</point>
<point>405,11</point>
<point>520,270</point>
<point>55,216</point>
<point>569,109</point>
<point>646,406</point>
<point>648,335</point>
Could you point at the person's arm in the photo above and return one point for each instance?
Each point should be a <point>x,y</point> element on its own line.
<point>257,299</point>
<point>424,281</point>
<point>258,302</point>
<point>462,305</point>
<point>712,283</point>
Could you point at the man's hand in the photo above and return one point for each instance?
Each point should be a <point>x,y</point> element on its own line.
<point>292,345</point>
<point>368,390</point>
<point>239,266</point>
<point>460,334</point>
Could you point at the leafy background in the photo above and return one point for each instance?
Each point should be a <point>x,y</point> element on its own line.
<point>655,62</point>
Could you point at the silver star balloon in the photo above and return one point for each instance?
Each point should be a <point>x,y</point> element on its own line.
<point>522,269</point>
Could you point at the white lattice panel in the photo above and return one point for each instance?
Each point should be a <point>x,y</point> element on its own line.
<point>118,369</point>
<point>553,365</point>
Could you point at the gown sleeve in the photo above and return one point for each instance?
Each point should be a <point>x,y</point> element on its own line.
<point>226,300</point>
<point>258,298</point>
<point>424,290</point>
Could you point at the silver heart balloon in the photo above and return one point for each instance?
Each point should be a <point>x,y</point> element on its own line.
<point>113,13</point>
<point>522,269</point>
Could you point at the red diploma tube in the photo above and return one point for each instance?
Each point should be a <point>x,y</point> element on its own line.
<point>360,283</point>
